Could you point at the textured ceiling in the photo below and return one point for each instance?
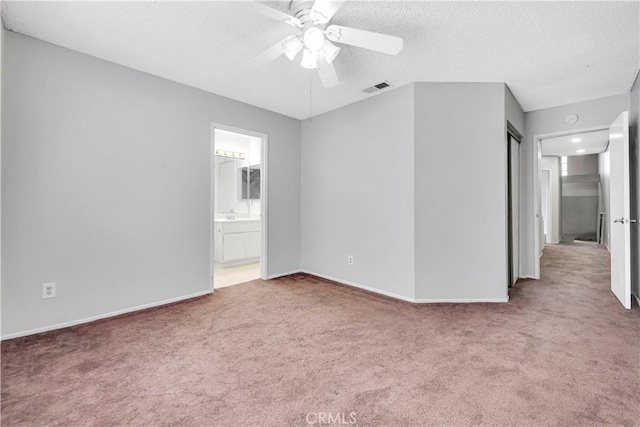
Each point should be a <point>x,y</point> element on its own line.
<point>549,53</point>
<point>590,142</point>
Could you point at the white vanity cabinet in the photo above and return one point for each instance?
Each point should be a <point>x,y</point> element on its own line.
<point>237,241</point>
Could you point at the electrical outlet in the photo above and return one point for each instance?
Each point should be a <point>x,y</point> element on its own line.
<point>48,290</point>
<point>350,259</point>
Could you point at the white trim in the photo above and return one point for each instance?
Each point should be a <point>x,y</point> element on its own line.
<point>637,299</point>
<point>208,292</point>
<point>212,204</point>
<point>359,286</point>
<point>264,204</point>
<point>103,316</point>
<point>402,297</point>
<point>463,300</point>
<point>264,191</point>
<point>238,263</point>
<point>288,273</point>
<point>536,207</point>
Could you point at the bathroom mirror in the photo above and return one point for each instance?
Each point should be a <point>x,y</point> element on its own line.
<point>249,183</point>
<point>238,179</point>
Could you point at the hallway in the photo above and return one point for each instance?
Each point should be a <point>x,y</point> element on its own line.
<point>585,328</point>
<point>574,282</point>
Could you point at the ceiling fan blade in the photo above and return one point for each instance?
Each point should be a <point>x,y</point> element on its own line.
<point>323,10</point>
<point>390,45</point>
<point>272,13</point>
<point>265,57</point>
<point>327,73</point>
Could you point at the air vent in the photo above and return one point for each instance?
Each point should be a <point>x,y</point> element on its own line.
<point>385,84</point>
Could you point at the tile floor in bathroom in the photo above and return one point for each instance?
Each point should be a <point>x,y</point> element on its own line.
<point>230,276</point>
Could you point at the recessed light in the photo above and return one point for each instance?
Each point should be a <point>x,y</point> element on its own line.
<point>576,140</point>
<point>571,119</point>
<point>580,150</point>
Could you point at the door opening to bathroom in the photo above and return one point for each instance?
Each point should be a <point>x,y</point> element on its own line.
<point>238,199</point>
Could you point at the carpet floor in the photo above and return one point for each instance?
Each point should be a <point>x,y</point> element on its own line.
<point>563,351</point>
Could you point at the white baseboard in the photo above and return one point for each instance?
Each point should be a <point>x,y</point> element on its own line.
<point>288,273</point>
<point>462,300</point>
<point>231,264</point>
<point>402,297</point>
<point>275,276</point>
<point>102,316</point>
<point>359,286</point>
<point>637,299</point>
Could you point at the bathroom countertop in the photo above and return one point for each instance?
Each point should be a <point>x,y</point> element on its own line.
<point>236,219</point>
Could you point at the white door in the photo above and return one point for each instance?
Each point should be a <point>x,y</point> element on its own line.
<point>619,221</point>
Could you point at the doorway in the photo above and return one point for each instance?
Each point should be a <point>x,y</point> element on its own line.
<point>238,206</point>
<point>581,197</point>
<point>553,163</point>
<point>594,195</point>
<point>573,182</point>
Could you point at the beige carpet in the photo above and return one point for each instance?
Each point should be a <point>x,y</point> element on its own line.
<point>563,351</point>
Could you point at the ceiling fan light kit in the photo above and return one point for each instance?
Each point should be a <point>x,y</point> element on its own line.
<point>309,60</point>
<point>310,19</point>
<point>291,46</point>
<point>313,38</point>
<point>329,51</point>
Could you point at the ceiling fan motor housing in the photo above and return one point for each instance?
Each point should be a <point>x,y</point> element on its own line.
<point>313,37</point>
<point>302,10</point>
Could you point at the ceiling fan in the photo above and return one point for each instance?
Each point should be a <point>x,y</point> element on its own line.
<point>313,37</point>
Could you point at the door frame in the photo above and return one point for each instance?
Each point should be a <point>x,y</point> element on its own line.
<point>512,133</point>
<point>264,191</point>
<point>537,194</point>
<point>549,204</point>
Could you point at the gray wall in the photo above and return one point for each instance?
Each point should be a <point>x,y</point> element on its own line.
<point>513,111</point>
<point>579,215</point>
<point>582,165</point>
<point>460,191</point>
<point>634,141</point>
<point>411,180</point>
<point>106,183</point>
<point>597,113</point>
<point>357,193</point>
<point>580,196</point>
